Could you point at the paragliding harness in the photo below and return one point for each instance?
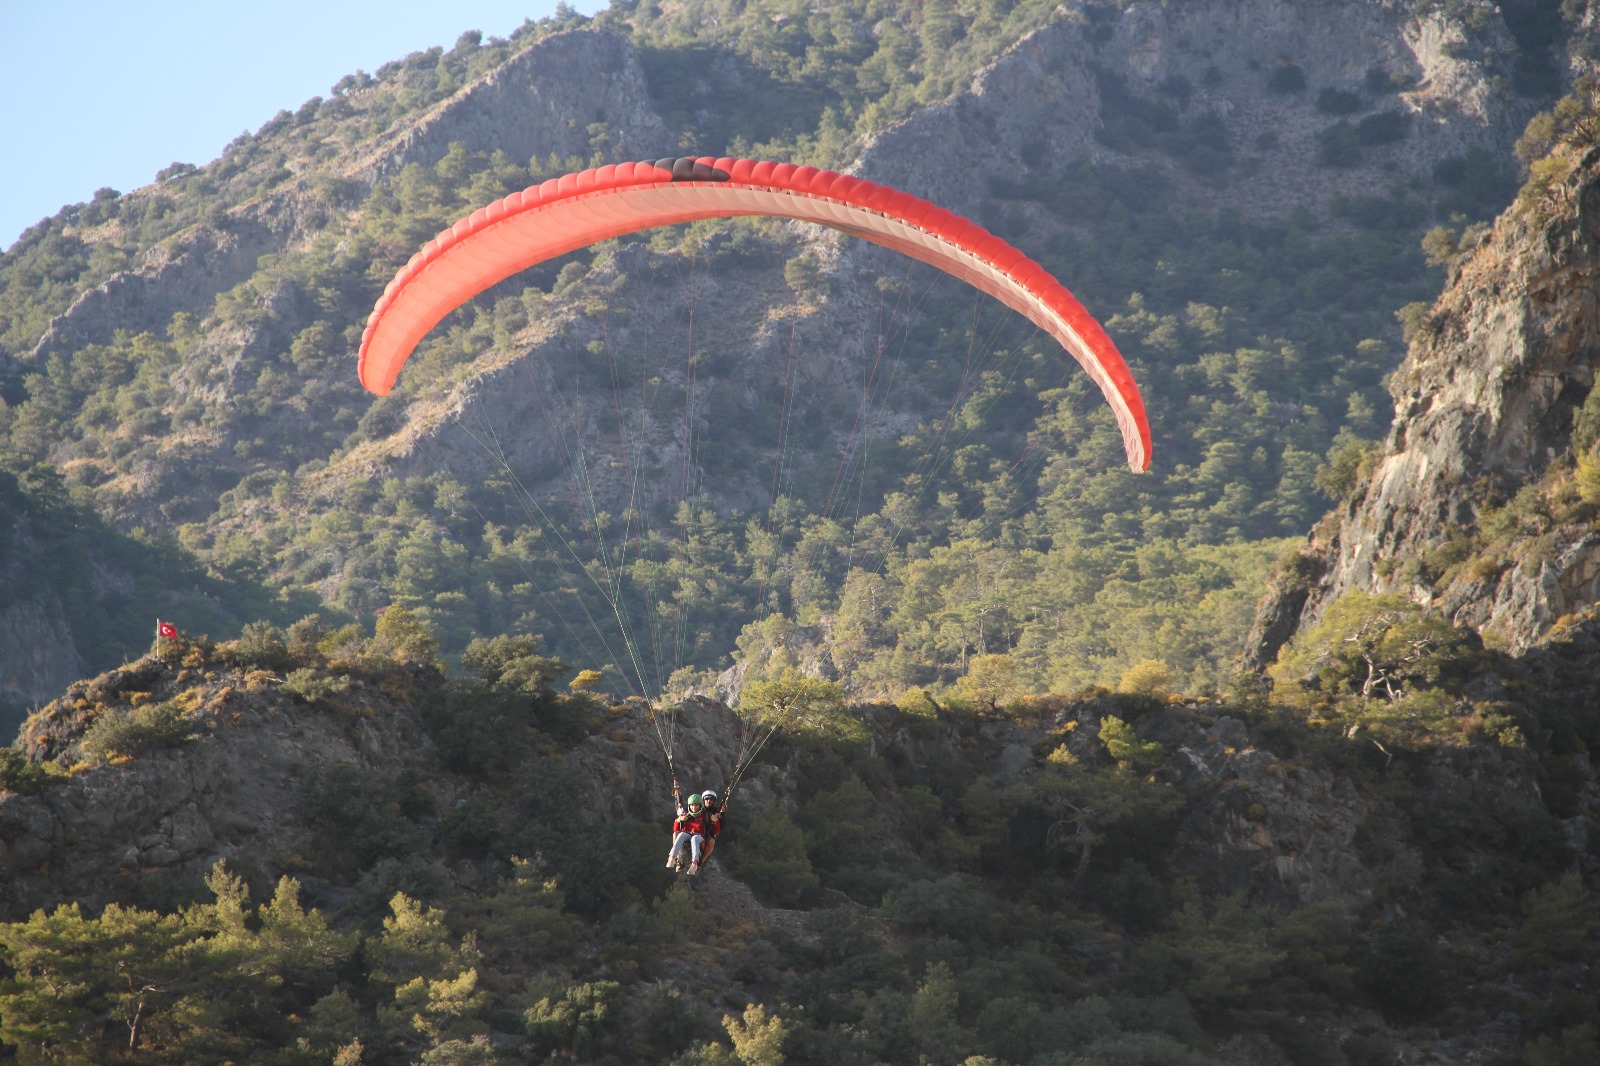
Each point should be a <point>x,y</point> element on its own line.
<point>755,730</point>
<point>709,818</point>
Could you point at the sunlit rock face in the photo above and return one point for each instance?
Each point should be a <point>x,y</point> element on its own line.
<point>1485,404</point>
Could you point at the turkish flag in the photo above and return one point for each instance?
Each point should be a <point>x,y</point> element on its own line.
<point>166,629</point>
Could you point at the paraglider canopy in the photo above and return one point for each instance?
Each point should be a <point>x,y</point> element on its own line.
<point>571,212</point>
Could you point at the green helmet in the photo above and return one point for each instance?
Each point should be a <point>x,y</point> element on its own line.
<point>694,800</point>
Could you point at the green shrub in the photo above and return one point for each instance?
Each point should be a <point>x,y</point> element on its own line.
<point>403,636</point>
<point>618,865</point>
<point>955,906</point>
<point>19,774</point>
<point>1561,922</point>
<point>307,685</point>
<point>1588,478</point>
<point>356,817</point>
<point>346,644</point>
<point>119,732</point>
<point>471,829</point>
<point>1349,464</point>
<point>262,647</point>
<point>1148,677</point>
<point>1125,746</point>
<point>1383,82</point>
<point>302,637</point>
<point>584,1021</point>
<point>1586,423</point>
<point>1339,145</point>
<point>802,274</point>
<point>1338,102</point>
<point>1386,127</point>
<point>1543,175</point>
<point>1286,78</point>
<point>1442,560</point>
<point>771,857</point>
<point>1400,969</point>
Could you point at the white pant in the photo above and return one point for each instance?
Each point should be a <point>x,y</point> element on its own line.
<point>694,841</point>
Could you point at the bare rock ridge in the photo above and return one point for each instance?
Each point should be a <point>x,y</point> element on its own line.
<point>185,275</point>
<point>235,792</point>
<point>1486,402</point>
<point>238,788</point>
<point>538,103</point>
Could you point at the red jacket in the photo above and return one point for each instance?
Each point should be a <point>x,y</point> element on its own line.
<point>692,823</point>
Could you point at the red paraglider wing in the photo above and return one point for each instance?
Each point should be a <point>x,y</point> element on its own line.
<point>577,210</point>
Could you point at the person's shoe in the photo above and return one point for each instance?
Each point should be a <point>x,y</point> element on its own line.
<point>672,860</point>
<point>694,868</point>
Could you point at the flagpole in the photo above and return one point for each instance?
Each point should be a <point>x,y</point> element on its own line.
<point>158,638</point>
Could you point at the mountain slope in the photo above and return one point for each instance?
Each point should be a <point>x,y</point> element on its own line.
<point>1156,159</point>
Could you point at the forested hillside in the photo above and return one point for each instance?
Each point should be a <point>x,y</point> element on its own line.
<point>752,435</point>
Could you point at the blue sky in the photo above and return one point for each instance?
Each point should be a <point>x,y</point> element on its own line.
<point>97,93</point>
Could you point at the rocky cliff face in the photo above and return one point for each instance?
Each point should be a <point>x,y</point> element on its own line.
<point>1485,403</point>
<point>235,791</point>
<point>1043,100</point>
<point>241,787</point>
<point>540,102</point>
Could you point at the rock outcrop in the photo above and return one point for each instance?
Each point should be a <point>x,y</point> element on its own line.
<point>241,787</point>
<point>1485,403</point>
<point>184,275</point>
<point>539,103</point>
<point>1042,100</point>
<point>1256,819</point>
<point>236,790</point>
